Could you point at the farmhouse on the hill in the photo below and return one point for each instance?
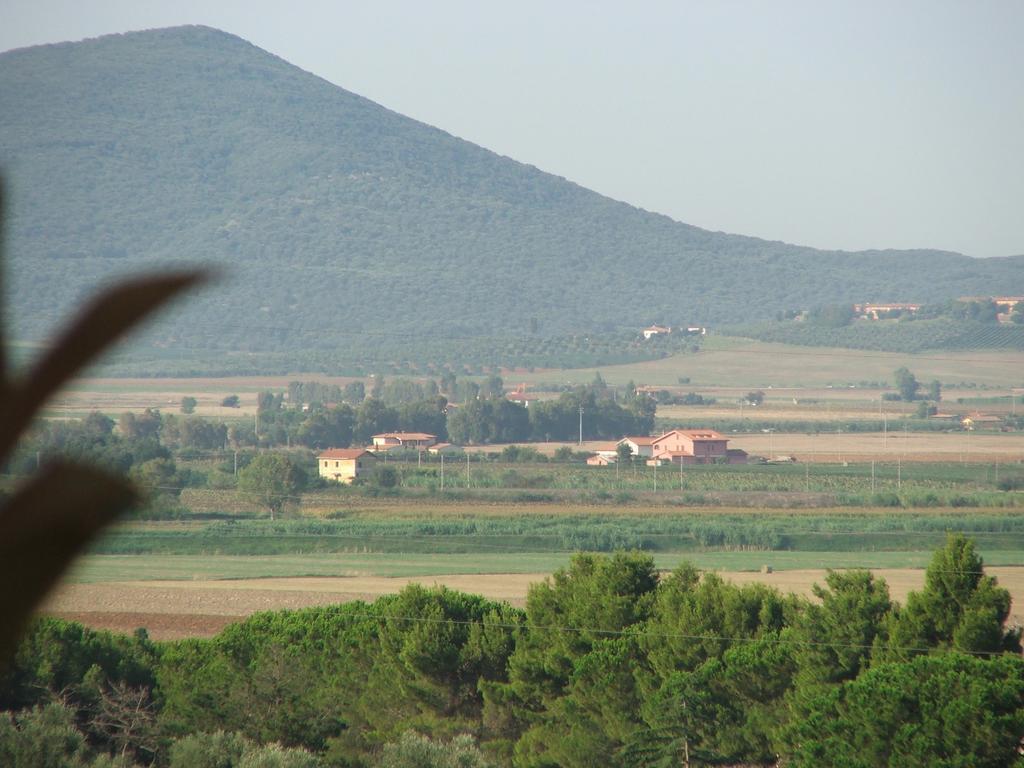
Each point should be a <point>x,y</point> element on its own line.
<point>343,465</point>
<point>656,330</point>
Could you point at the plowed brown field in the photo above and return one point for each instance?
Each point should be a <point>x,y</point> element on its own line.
<point>176,609</point>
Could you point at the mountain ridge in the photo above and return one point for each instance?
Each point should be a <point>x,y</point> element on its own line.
<point>333,216</point>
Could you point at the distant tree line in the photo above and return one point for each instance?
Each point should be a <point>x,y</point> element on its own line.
<point>596,407</point>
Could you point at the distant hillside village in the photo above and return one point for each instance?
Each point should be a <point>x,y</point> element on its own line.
<point>992,309</point>
<point>1001,310</point>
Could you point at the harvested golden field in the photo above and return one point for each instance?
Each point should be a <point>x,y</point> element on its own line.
<point>829,447</point>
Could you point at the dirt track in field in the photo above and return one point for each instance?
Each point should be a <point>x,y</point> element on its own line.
<point>172,610</point>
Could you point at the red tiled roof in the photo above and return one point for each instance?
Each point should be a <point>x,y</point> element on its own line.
<point>638,440</point>
<point>344,453</point>
<point>407,435</point>
<point>695,434</point>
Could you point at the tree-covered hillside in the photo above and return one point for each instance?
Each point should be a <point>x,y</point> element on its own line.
<point>353,233</point>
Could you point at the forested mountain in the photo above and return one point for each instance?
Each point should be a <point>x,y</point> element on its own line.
<point>349,230</point>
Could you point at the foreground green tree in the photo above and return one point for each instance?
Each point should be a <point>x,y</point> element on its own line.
<point>834,635</point>
<point>570,680</point>
<point>943,711</point>
<point>960,607</point>
<point>273,479</point>
<point>433,652</point>
<point>714,658</point>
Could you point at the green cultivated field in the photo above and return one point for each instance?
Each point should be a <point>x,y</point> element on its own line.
<point>457,541</point>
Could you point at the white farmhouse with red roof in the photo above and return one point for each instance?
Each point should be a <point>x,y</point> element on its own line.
<point>414,440</point>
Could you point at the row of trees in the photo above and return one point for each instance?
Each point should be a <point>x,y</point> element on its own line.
<point>395,392</point>
<point>607,665</point>
<point>587,409</point>
<point>486,417</point>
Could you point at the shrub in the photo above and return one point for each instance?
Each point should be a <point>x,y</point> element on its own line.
<point>385,477</point>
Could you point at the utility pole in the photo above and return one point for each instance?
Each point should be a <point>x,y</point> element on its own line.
<point>467,469</point>
<point>442,471</point>
<point>581,425</point>
<point>872,475</point>
<point>655,475</point>
<point>686,742</point>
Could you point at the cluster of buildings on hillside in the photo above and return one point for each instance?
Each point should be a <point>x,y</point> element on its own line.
<point>664,330</point>
<point>678,446</point>
<point>875,311</point>
<point>889,311</point>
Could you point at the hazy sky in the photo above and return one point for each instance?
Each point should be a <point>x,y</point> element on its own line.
<point>839,125</point>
